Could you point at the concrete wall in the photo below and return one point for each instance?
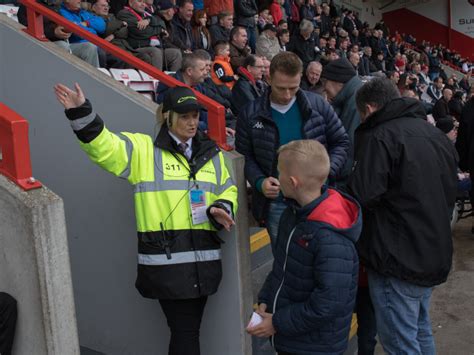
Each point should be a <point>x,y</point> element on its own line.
<point>34,268</point>
<point>112,316</point>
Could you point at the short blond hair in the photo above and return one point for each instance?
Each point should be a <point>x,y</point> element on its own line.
<point>165,118</point>
<point>307,159</point>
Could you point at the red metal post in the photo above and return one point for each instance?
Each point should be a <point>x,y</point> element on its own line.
<point>15,162</point>
<point>216,127</point>
<point>216,117</point>
<point>35,24</point>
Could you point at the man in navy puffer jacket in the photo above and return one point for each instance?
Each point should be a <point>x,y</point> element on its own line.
<point>307,299</point>
<point>284,114</point>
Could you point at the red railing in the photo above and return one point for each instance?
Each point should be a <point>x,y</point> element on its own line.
<point>15,161</point>
<point>216,112</point>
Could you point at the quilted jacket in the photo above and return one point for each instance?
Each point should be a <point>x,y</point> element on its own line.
<point>312,287</point>
<point>257,138</point>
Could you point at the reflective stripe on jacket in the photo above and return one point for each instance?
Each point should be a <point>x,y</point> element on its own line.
<point>176,259</point>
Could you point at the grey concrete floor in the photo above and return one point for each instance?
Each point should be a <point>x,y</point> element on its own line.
<point>452,304</point>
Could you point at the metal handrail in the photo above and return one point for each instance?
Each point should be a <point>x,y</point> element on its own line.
<point>216,112</point>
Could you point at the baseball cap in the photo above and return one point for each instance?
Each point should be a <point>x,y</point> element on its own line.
<point>180,99</point>
<point>270,27</point>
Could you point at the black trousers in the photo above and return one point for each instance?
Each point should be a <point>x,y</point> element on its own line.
<point>8,314</point>
<point>367,326</point>
<point>184,320</point>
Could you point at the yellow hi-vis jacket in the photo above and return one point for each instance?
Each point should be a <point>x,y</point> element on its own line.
<point>176,258</point>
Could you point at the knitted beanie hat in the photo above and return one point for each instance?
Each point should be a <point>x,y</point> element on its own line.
<point>339,70</point>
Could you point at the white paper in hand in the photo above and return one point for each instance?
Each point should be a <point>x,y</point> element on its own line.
<point>255,320</point>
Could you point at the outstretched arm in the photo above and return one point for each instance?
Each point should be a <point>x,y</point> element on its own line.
<point>120,154</point>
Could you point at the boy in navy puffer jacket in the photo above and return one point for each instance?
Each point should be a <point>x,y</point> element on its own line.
<point>307,299</point>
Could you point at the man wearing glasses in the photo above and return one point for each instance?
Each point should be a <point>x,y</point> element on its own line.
<point>246,89</point>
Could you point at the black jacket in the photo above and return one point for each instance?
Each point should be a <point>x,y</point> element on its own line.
<point>455,106</point>
<point>378,64</point>
<point>376,45</point>
<point>440,109</point>
<point>245,10</point>
<point>364,67</point>
<point>405,178</point>
<point>219,93</point>
<point>303,48</point>
<point>257,138</point>
<point>465,140</point>
<point>244,91</point>
<point>325,24</point>
<point>349,26</point>
<point>182,34</point>
<point>218,33</point>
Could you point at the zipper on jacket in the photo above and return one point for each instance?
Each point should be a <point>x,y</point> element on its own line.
<point>272,340</point>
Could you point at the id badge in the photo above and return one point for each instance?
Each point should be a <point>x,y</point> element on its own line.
<point>198,206</point>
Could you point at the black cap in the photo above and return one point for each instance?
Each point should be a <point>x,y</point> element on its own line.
<point>165,5</point>
<point>270,27</point>
<point>445,124</point>
<point>181,100</point>
<point>339,70</point>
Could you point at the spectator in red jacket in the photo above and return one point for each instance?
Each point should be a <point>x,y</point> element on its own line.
<point>214,8</point>
<point>276,11</point>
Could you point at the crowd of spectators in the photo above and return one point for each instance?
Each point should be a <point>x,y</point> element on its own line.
<point>162,32</point>
<point>224,50</point>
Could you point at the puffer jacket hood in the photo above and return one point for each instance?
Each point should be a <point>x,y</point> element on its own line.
<point>339,212</point>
